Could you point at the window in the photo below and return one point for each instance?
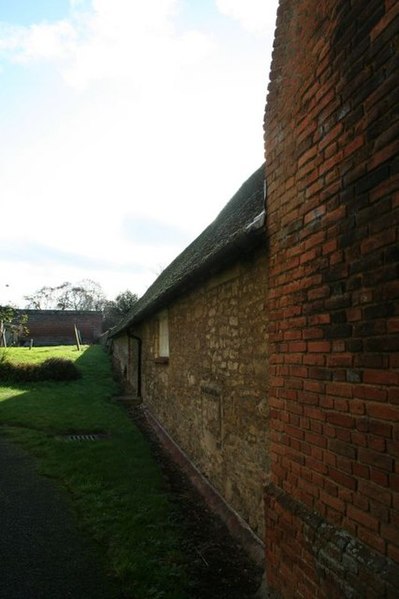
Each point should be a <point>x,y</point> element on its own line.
<point>163,349</point>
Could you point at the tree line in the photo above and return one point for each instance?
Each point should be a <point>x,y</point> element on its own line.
<point>84,295</point>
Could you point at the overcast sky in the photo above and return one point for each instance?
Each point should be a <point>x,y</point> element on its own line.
<point>126,126</point>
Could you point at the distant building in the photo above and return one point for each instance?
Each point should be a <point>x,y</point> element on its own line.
<point>57,327</point>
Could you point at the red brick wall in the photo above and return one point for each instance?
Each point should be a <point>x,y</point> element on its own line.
<point>331,138</point>
<point>56,327</point>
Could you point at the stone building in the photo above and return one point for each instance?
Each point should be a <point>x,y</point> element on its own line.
<point>195,349</point>
<point>270,353</point>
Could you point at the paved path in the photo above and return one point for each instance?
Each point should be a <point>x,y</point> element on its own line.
<point>42,555</point>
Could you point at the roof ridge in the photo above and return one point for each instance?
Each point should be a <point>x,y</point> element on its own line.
<point>237,226</point>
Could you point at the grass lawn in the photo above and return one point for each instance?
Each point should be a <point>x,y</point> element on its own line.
<point>114,484</point>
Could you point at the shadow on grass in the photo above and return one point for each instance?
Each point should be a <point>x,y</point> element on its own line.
<point>113,484</point>
<point>43,554</point>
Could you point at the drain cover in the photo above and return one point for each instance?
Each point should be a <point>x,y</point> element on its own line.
<point>85,437</point>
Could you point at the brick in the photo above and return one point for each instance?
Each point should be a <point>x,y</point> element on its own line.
<point>314,413</point>
<point>390,534</point>
<point>340,359</point>
<point>375,361</point>
<point>319,319</point>
<point>379,478</point>
<point>385,412</point>
<point>393,553</point>
<point>385,188</point>
<point>393,394</point>
<point>373,540</point>
<point>381,377</point>
<point>374,491</point>
<point>343,479</point>
<point>391,290</point>
<point>340,405</point>
<point>339,389</point>
<point>353,314</point>
<point>386,343</point>
<point>357,406</point>
<point>382,310</point>
<point>346,435</point>
<point>362,471</point>
<point>377,241</point>
<point>376,427</point>
<point>314,439</point>
<point>377,459</point>
<point>318,346</point>
<point>334,502</point>
<point>330,109</point>
<point>354,145</point>
<point>362,518</point>
<point>342,448</point>
<point>394,482</point>
<point>307,156</point>
<point>342,420</point>
<point>393,325</point>
<point>369,392</point>
<point>379,511</point>
<point>382,24</point>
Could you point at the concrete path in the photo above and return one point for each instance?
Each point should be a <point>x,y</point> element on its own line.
<point>42,555</point>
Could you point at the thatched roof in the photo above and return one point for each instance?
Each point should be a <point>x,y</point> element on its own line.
<point>238,228</point>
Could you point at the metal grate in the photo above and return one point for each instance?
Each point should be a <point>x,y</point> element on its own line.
<point>85,437</point>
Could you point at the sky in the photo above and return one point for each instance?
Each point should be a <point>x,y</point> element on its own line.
<point>126,126</point>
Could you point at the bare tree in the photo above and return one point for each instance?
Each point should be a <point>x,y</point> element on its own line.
<point>84,295</point>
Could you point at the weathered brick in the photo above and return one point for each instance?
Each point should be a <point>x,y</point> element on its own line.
<point>383,411</point>
<point>368,392</point>
<point>343,479</point>
<point>381,377</point>
<point>342,420</point>
<point>377,459</point>
<point>341,448</point>
<point>346,145</point>
<point>363,518</point>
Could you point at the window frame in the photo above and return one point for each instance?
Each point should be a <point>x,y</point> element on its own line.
<point>163,349</point>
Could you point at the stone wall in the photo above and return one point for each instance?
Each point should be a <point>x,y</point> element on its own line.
<point>120,357</point>
<point>331,131</point>
<point>56,327</point>
<point>125,359</point>
<point>210,395</point>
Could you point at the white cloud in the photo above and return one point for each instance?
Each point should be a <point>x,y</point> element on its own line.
<point>114,40</point>
<point>140,114</point>
<point>37,42</point>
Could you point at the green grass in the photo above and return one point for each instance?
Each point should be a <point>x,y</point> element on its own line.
<point>114,484</point>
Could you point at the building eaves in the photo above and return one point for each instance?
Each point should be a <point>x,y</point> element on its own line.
<point>238,228</point>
